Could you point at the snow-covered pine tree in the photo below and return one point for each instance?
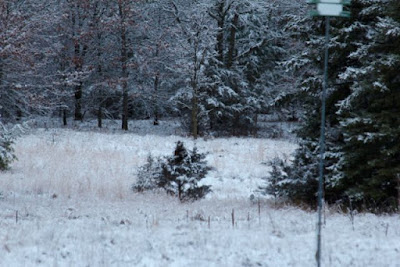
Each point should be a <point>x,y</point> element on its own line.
<point>182,172</point>
<point>370,115</point>
<point>308,66</point>
<point>302,184</point>
<point>149,175</point>
<point>7,155</point>
<point>242,67</point>
<point>231,64</point>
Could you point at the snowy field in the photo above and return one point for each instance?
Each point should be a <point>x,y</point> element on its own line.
<point>67,202</point>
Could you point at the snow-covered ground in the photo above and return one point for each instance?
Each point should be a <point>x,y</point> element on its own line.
<point>67,202</point>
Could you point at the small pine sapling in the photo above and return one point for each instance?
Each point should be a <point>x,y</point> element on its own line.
<point>179,174</point>
<point>182,172</point>
<point>148,176</point>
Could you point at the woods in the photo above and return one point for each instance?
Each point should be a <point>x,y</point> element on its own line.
<point>215,61</point>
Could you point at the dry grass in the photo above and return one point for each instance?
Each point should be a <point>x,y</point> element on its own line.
<point>72,194</point>
<point>69,163</point>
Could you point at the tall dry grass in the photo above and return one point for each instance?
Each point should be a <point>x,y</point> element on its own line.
<point>70,163</point>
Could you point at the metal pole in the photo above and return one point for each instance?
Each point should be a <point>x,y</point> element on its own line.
<point>322,141</point>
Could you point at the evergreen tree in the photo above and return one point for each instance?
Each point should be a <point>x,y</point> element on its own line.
<point>182,173</point>
<point>234,56</point>
<point>302,184</point>
<point>362,156</point>
<point>243,65</point>
<point>149,175</point>
<point>292,17</point>
<point>7,155</point>
<point>369,171</point>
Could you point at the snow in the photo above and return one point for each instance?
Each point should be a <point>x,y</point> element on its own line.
<point>67,202</point>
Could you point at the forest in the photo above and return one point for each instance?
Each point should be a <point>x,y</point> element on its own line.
<point>216,65</point>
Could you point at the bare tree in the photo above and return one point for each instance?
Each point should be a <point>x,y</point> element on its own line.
<point>195,41</point>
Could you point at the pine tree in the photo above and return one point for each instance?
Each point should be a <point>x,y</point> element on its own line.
<point>243,65</point>
<point>308,66</point>
<point>182,172</point>
<point>302,184</point>
<point>149,175</point>
<point>371,113</point>
<point>361,161</point>
<point>7,155</point>
<point>234,56</point>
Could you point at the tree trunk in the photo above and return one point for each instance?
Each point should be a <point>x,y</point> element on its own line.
<point>124,106</point>
<point>180,191</point>
<point>100,117</point>
<point>100,76</point>
<point>19,114</point>
<point>195,100</point>
<point>156,83</point>
<point>232,41</point>
<point>78,103</point>
<point>124,59</point>
<point>220,34</point>
<point>77,60</point>
<point>254,129</point>
<point>64,116</point>
<point>194,116</point>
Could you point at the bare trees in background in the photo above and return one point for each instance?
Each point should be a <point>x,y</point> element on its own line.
<point>133,59</point>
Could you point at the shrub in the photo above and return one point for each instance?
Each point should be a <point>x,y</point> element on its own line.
<point>182,172</point>
<point>179,174</point>
<point>148,175</point>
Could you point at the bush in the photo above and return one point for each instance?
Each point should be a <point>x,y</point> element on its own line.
<point>7,155</point>
<point>182,172</point>
<point>178,174</point>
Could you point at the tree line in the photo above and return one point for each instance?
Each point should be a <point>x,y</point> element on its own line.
<point>213,62</point>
